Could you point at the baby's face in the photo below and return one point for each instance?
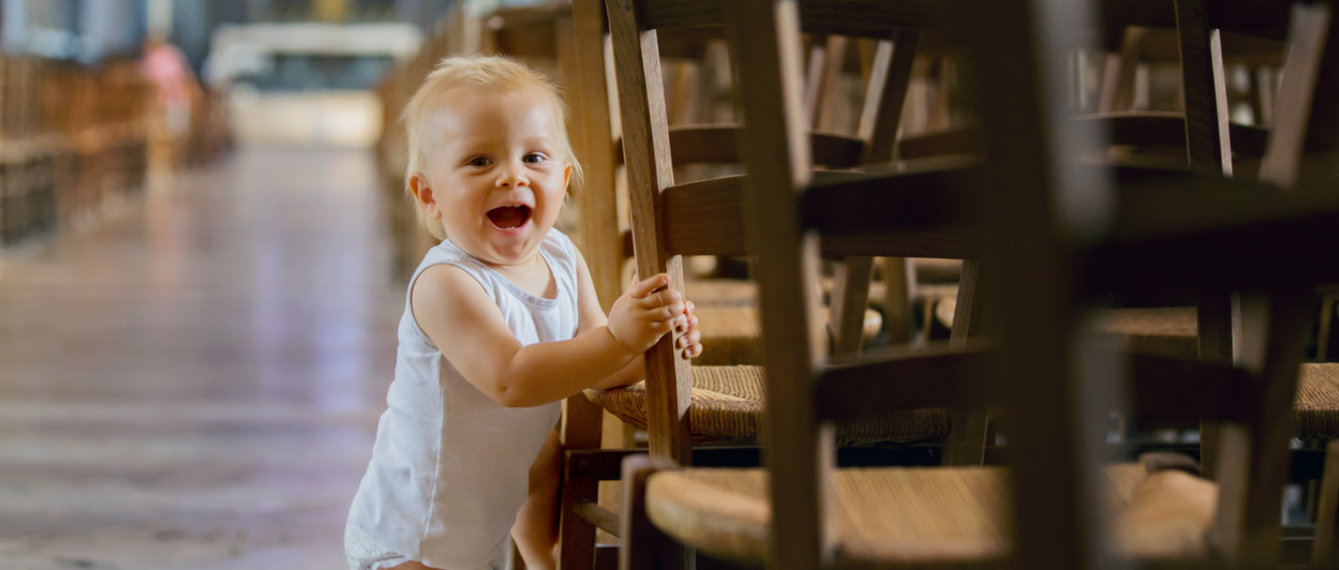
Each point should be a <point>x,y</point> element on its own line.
<point>497,170</point>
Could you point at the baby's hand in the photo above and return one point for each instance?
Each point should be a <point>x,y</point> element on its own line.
<point>689,342</point>
<point>645,313</point>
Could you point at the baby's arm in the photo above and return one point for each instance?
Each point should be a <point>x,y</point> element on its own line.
<point>465,324</point>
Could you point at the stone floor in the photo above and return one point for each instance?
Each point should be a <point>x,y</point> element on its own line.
<point>194,383</point>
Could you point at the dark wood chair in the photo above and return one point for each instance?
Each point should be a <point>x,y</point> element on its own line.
<point>1058,235</point>
<point>684,406</point>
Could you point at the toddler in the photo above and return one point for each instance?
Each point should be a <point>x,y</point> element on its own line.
<point>501,323</point>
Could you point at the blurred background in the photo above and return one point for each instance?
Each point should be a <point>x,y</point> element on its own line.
<point>199,277</point>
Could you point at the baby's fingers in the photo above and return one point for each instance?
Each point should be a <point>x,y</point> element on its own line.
<point>686,323</point>
<point>689,339</point>
<point>646,286</point>
<point>661,299</point>
<point>690,345</point>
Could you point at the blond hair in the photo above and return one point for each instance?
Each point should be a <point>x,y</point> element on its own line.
<point>489,71</point>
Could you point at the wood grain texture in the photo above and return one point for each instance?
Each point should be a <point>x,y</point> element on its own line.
<point>647,156</point>
<point>1327,510</point>
<point>595,197</point>
<point>931,197</point>
<point>1019,87</point>
<point>718,144</point>
<point>848,303</point>
<point>1152,129</point>
<point>905,379</point>
<point>862,18</point>
<point>1208,141</point>
<point>706,217</point>
<point>602,518</point>
<point>950,242</point>
<point>1254,469</point>
<point>886,94</point>
<point>765,35</point>
<point>1298,101</point>
<point>966,443</point>
<point>643,545</point>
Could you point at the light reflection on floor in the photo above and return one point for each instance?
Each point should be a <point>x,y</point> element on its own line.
<point>194,384</point>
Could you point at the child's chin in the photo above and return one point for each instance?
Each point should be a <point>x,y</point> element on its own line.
<point>508,254</point>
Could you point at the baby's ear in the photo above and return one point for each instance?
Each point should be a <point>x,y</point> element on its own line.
<point>424,197</point>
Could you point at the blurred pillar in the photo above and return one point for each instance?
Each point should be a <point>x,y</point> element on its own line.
<point>424,13</point>
<point>13,24</point>
<point>109,27</point>
<point>331,10</point>
<point>158,18</point>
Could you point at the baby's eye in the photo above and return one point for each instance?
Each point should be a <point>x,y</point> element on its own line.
<point>479,161</point>
<point>535,157</point>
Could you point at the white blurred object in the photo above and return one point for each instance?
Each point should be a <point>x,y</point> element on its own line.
<point>305,118</point>
<point>237,50</point>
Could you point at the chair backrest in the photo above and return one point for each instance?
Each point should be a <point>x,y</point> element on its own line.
<point>1051,228</point>
<point>705,217</point>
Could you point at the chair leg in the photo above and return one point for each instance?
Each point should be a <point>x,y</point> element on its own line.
<point>850,297</point>
<point>1322,550</point>
<point>644,546</point>
<point>1327,308</point>
<point>576,536</point>
<point>581,429</point>
<point>897,310</point>
<point>966,443</point>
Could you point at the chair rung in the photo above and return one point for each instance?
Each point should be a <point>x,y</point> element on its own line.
<point>705,217</point>
<point>946,242</point>
<point>889,201</point>
<point>868,18</point>
<point>719,144</point>
<point>1189,232</point>
<point>904,379</point>
<point>1142,129</point>
<point>1171,388</point>
<point>603,519</point>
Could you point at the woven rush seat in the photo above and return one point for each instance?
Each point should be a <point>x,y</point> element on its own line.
<point>728,403</point>
<point>1162,330</point>
<point>1170,331</point>
<point>720,292</point>
<point>744,293</point>
<point>936,517</point>
<point>730,334</point>
<point>1317,402</point>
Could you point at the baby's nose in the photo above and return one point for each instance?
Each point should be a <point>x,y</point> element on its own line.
<point>512,176</point>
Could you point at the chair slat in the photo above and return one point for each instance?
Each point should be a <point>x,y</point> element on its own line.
<point>706,217</point>
<point>1251,253</point>
<point>1143,129</point>
<point>718,144</point>
<point>930,197</point>
<point>641,94</point>
<point>867,18</point>
<point>948,242</point>
<point>896,380</point>
<point>1164,388</point>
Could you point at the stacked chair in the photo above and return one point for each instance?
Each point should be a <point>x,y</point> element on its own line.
<point>1054,233</point>
<point>72,141</point>
<point>705,411</point>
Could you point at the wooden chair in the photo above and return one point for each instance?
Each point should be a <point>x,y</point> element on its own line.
<point>683,405</point>
<point>1054,383</point>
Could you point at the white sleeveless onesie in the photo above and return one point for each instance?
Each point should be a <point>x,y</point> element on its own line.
<point>450,467</point>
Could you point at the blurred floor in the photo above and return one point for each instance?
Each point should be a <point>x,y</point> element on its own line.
<point>195,384</point>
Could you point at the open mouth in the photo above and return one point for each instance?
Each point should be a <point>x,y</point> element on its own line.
<point>509,216</point>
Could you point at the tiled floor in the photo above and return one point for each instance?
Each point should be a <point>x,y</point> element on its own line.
<point>195,383</point>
